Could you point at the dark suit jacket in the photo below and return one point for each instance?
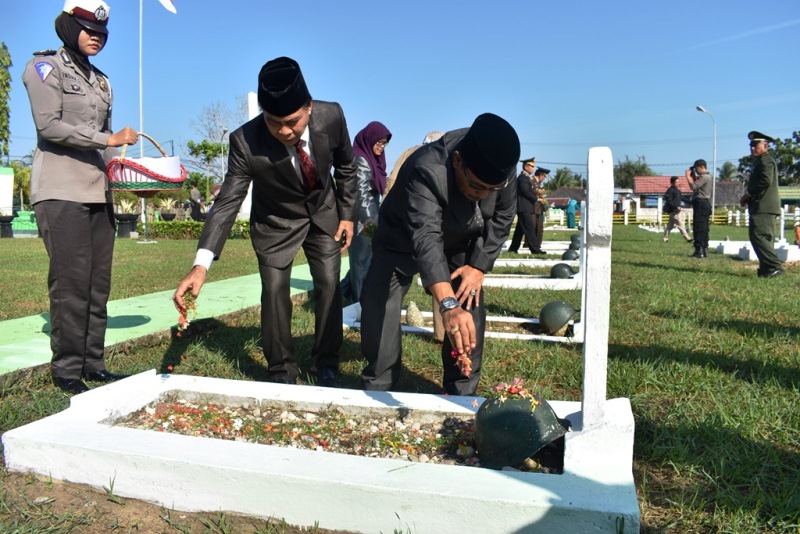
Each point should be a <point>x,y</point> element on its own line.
<point>282,210</point>
<point>526,196</point>
<point>427,220</point>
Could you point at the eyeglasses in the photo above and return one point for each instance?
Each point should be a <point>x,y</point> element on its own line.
<point>480,187</point>
<point>381,143</point>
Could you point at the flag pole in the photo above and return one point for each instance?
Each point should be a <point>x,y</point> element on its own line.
<point>141,90</point>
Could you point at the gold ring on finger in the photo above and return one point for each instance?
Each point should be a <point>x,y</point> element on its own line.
<point>454,331</point>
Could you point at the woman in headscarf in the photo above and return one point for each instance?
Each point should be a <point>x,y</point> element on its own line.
<point>368,148</point>
<point>71,104</point>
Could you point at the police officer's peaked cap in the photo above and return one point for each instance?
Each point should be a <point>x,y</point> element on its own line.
<point>529,161</point>
<point>541,170</point>
<point>281,87</point>
<point>490,149</point>
<point>758,136</point>
<point>91,14</point>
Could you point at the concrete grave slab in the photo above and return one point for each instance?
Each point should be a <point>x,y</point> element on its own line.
<point>81,444</point>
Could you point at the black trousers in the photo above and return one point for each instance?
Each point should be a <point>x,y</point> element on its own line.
<point>525,227</point>
<point>79,239</point>
<point>381,332</point>
<point>700,222</point>
<point>324,261</point>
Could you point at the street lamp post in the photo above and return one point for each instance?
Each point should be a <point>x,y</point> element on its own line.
<point>701,109</point>
<point>222,154</point>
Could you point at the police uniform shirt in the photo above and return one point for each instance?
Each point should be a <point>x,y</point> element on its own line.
<point>72,115</point>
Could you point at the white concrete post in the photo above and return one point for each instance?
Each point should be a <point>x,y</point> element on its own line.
<point>596,295</point>
<point>625,218</point>
<point>782,220</point>
<point>659,210</point>
<point>730,217</point>
<point>797,216</point>
<point>252,112</point>
<point>747,217</point>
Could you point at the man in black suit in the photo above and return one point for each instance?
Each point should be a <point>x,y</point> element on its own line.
<point>539,209</point>
<point>526,198</point>
<point>447,218</point>
<point>287,154</point>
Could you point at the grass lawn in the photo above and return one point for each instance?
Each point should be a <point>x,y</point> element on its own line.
<point>708,353</point>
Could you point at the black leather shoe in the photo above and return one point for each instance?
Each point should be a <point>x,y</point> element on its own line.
<point>70,385</point>
<point>704,252</point>
<point>104,376</point>
<point>328,377</point>
<point>698,253</point>
<point>283,380</point>
<point>773,274</point>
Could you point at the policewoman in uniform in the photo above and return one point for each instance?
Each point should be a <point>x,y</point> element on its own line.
<point>71,106</point>
<point>764,205</point>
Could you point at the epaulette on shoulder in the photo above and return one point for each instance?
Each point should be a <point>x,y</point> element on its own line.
<point>45,53</point>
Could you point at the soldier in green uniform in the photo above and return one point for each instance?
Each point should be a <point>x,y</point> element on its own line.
<point>763,204</point>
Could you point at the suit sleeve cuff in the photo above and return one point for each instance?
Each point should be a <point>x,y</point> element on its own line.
<point>204,257</point>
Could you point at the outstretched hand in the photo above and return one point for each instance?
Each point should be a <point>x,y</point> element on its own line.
<point>192,282</point>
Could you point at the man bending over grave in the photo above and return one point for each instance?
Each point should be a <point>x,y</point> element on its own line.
<point>447,219</point>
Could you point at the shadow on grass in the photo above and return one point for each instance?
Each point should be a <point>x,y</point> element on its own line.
<point>717,469</point>
<point>753,371</point>
<point>235,344</point>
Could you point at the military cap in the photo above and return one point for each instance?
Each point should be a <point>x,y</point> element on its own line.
<point>282,89</point>
<point>758,136</point>
<point>529,161</point>
<point>490,149</point>
<point>540,171</point>
<point>91,14</point>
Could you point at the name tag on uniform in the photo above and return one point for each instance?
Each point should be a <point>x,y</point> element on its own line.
<point>44,69</point>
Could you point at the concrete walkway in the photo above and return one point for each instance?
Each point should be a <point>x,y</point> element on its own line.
<point>25,342</point>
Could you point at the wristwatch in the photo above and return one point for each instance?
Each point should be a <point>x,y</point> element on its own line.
<point>448,303</point>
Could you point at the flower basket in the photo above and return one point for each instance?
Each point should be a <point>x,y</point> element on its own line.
<point>146,174</point>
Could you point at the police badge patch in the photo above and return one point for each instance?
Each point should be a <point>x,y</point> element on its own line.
<point>102,83</point>
<point>100,14</point>
<point>43,69</point>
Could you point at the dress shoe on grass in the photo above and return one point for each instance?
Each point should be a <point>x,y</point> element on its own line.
<point>773,274</point>
<point>70,385</point>
<point>104,376</point>
<point>328,377</point>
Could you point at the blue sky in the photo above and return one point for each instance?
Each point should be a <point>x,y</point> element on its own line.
<point>566,75</point>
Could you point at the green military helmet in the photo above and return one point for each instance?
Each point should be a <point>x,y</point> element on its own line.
<point>570,254</point>
<point>555,316</point>
<point>561,270</point>
<point>507,432</point>
<point>575,238</point>
<point>574,245</point>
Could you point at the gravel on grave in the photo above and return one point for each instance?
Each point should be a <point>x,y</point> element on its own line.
<point>378,434</point>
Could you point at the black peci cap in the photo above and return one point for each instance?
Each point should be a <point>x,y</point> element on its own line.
<point>281,87</point>
<point>700,163</point>
<point>490,149</point>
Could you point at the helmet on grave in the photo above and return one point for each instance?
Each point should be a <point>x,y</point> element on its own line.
<point>570,254</point>
<point>509,431</point>
<point>561,270</point>
<point>555,317</point>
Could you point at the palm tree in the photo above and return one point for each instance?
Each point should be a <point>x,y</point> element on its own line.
<point>728,172</point>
